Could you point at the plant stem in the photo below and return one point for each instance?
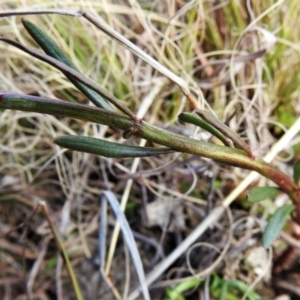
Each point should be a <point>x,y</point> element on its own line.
<point>63,251</point>
<point>222,154</point>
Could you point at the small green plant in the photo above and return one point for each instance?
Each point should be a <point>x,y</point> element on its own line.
<point>177,293</point>
<point>131,124</point>
<point>112,112</point>
<point>219,289</point>
<point>231,289</point>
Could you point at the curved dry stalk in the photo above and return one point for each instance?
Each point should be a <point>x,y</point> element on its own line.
<point>64,253</point>
<point>14,12</point>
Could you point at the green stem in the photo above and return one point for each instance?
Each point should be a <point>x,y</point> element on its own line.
<point>65,109</point>
<point>222,154</point>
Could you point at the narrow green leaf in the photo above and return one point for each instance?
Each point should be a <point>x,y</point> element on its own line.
<point>151,133</point>
<point>261,193</point>
<point>105,148</point>
<point>297,171</point>
<point>73,73</point>
<point>224,290</point>
<point>192,119</point>
<point>52,49</point>
<point>276,224</point>
<point>225,130</point>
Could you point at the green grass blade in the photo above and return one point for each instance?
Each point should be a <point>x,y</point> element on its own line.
<point>105,148</point>
<point>187,285</point>
<point>52,49</point>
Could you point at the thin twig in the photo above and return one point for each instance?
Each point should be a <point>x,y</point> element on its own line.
<point>15,12</point>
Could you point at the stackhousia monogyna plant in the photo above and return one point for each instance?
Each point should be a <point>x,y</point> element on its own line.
<point>112,112</point>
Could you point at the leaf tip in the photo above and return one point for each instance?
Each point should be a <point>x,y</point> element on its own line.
<point>180,118</point>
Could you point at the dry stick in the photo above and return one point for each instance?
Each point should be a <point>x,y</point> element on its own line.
<point>70,71</point>
<point>98,22</point>
<point>237,109</point>
<point>63,251</point>
<point>223,62</point>
<point>145,104</point>
<point>217,213</point>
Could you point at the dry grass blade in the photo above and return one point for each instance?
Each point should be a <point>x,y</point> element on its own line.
<point>61,247</point>
<point>36,266</point>
<point>128,236</point>
<point>102,236</point>
<point>213,217</point>
<point>15,12</point>
<point>137,51</point>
